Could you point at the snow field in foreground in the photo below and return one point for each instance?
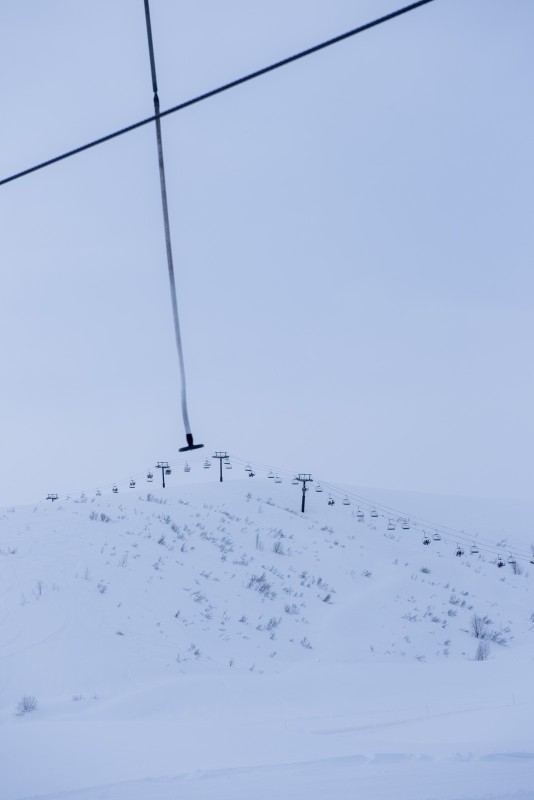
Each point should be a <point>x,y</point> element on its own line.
<point>211,642</point>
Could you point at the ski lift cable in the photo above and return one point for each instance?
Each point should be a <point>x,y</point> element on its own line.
<point>218,90</point>
<point>448,534</point>
<point>136,476</point>
<point>264,467</point>
<point>421,522</point>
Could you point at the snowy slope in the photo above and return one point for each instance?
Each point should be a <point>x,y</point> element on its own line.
<point>215,627</point>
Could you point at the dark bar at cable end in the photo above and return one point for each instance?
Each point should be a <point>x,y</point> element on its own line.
<point>190,445</point>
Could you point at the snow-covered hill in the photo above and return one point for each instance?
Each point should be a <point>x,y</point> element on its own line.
<point>220,619</point>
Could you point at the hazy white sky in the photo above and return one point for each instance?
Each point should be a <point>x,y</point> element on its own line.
<point>353,239</point>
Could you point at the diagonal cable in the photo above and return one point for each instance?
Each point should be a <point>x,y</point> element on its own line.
<point>219,90</point>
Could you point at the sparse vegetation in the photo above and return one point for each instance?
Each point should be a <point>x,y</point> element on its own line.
<point>26,705</point>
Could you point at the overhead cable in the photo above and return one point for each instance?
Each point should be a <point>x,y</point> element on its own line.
<point>219,90</point>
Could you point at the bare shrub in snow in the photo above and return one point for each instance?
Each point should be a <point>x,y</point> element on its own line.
<point>260,584</point>
<point>478,626</point>
<point>26,705</point>
<point>496,637</point>
<point>482,651</point>
<point>279,548</point>
<point>291,609</point>
<point>481,630</point>
<point>150,498</point>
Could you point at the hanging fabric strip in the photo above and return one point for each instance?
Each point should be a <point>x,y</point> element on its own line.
<point>170,264</point>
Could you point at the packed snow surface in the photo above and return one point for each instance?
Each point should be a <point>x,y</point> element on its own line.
<point>211,641</point>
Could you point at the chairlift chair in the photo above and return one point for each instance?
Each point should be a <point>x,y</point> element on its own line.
<point>271,474</point>
<point>405,525</point>
<point>98,493</point>
<point>318,488</point>
<point>360,516</point>
<point>346,501</point>
<point>187,468</point>
<point>374,512</point>
<point>207,464</point>
<point>115,490</point>
<point>426,539</point>
<point>248,468</point>
<point>436,537</point>
<point>227,465</point>
<point>295,481</point>
<point>459,551</point>
<point>511,560</point>
<point>168,471</point>
<point>391,525</point>
<point>474,549</point>
<point>331,501</point>
<point>277,479</point>
<point>500,562</point>
<point>149,477</point>
<point>132,484</point>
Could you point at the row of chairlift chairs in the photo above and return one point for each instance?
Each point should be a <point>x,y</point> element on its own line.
<point>405,525</point>
<point>168,471</point>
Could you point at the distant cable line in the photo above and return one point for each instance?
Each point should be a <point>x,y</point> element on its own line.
<point>225,87</point>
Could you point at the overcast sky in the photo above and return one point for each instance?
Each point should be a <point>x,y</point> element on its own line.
<point>353,242</point>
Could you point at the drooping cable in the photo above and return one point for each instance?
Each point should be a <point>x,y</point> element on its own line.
<point>168,246</point>
<point>213,92</point>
